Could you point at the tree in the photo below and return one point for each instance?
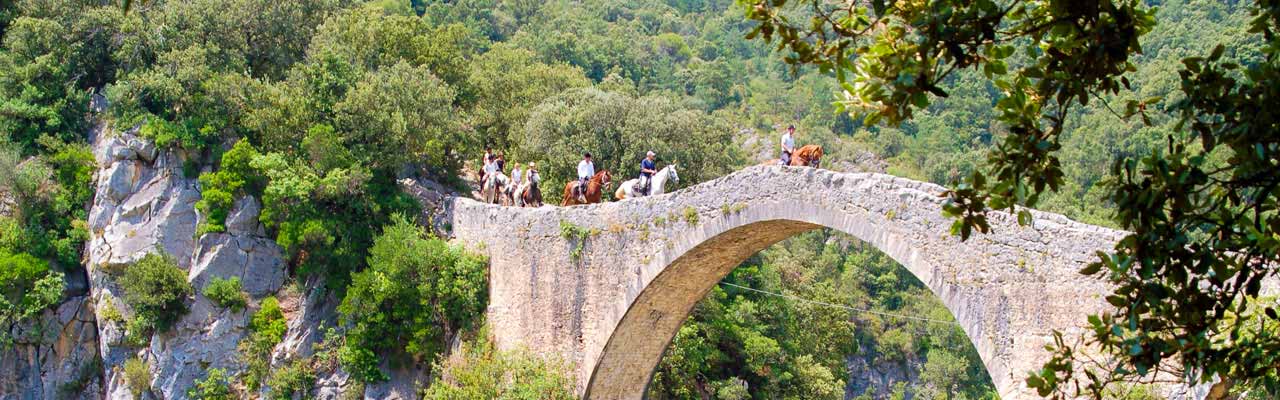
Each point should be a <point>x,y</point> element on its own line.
<point>27,288</point>
<point>509,82</point>
<point>417,293</point>
<point>1201,209</point>
<point>401,114</point>
<point>157,290</point>
<point>617,130</point>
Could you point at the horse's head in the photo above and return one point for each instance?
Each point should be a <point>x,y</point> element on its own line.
<point>673,175</point>
<point>606,178</point>
<point>534,178</point>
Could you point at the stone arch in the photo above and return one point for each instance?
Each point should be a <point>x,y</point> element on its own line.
<point>629,359</point>
<point>610,302</point>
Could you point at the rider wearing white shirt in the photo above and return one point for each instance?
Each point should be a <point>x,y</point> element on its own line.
<point>788,143</point>
<point>586,169</point>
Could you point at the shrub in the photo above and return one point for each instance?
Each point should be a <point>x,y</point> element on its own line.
<point>228,293</point>
<point>267,328</point>
<point>157,291</point>
<point>691,215</point>
<point>417,292</point>
<point>218,190</point>
<point>483,372</point>
<point>27,287</point>
<point>295,378</point>
<point>137,374</point>
<point>215,386</point>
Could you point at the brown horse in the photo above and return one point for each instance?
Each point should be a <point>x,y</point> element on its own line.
<point>807,156</point>
<point>531,196</point>
<point>595,189</point>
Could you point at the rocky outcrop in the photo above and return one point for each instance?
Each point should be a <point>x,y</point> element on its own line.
<point>56,356</point>
<point>144,204</point>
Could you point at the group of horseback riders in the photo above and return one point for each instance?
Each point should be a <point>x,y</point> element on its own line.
<point>522,187</point>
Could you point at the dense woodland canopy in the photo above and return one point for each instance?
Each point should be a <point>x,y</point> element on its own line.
<point>318,106</point>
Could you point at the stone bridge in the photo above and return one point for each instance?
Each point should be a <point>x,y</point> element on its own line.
<point>610,301</point>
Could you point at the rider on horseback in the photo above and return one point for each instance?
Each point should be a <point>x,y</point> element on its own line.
<point>647,168</point>
<point>586,169</point>
<point>486,165</point>
<point>788,144</point>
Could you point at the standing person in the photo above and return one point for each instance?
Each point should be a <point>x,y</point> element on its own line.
<point>647,168</point>
<point>788,143</point>
<point>586,169</point>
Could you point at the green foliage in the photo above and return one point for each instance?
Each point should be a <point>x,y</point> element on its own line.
<point>577,235</point>
<point>295,378</point>
<point>27,288</point>
<point>691,216</point>
<point>482,371</point>
<point>215,386</point>
<point>398,114</point>
<point>746,344</point>
<point>227,293</point>
<point>617,129</point>
<point>137,375</point>
<point>49,192</point>
<point>157,290</point>
<point>220,189</point>
<point>267,327</point>
<point>417,293</point>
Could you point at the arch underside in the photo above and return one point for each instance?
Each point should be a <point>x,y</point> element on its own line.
<point>629,359</point>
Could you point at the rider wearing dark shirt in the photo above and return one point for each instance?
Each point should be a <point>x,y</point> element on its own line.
<point>647,168</point>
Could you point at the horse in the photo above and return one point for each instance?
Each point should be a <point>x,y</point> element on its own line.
<point>657,184</point>
<point>494,186</point>
<point>807,156</point>
<point>595,189</point>
<point>530,195</point>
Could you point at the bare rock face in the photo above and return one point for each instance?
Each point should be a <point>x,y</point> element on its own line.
<point>56,357</point>
<point>145,205</point>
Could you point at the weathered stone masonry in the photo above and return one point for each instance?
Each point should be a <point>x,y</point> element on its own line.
<point>612,310</point>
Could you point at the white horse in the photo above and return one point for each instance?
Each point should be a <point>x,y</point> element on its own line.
<point>494,186</point>
<point>657,184</point>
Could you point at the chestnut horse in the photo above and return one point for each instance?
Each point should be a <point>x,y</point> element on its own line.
<point>807,156</point>
<point>595,189</point>
<point>530,194</point>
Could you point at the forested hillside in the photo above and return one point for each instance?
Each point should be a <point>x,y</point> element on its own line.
<point>317,107</point>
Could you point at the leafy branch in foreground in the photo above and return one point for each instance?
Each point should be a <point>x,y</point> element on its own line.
<point>1202,210</point>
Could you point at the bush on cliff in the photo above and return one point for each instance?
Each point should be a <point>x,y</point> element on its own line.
<point>417,293</point>
<point>27,287</point>
<point>267,328</point>
<point>481,371</point>
<point>157,290</point>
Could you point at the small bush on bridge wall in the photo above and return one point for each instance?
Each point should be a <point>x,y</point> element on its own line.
<point>417,293</point>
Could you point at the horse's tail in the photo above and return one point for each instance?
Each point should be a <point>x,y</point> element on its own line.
<point>621,193</point>
<point>568,194</point>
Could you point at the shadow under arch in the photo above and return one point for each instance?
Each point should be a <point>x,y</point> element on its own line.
<point>627,363</point>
